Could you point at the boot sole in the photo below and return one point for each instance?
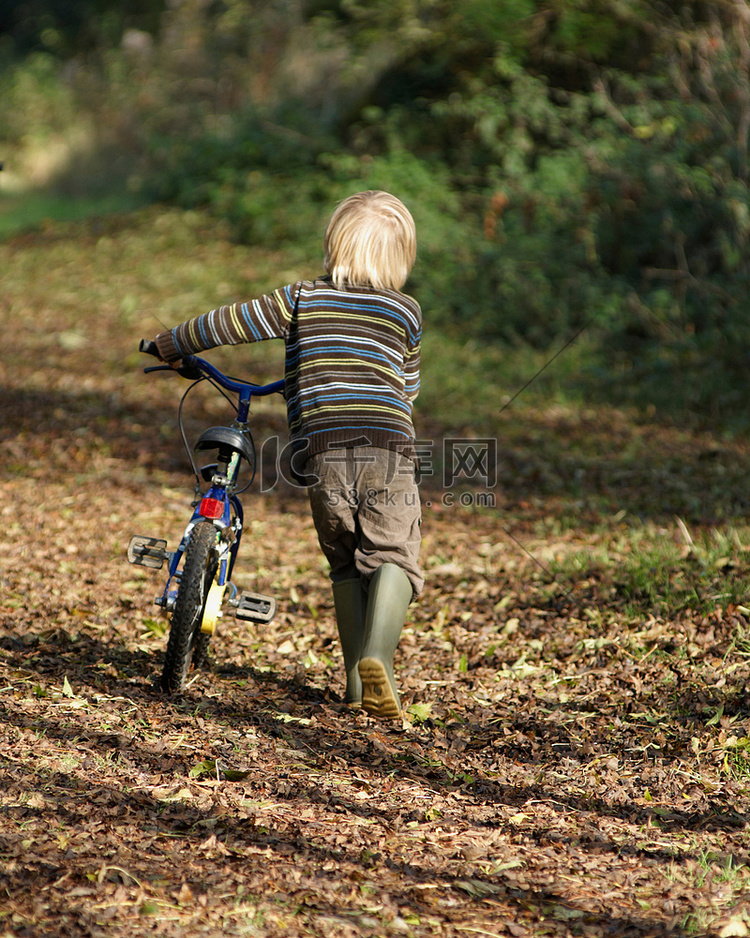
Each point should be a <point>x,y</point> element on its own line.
<point>379,697</point>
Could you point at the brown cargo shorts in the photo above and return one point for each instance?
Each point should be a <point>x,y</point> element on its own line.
<point>366,509</point>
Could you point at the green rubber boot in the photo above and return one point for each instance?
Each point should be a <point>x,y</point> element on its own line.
<point>389,598</point>
<point>350,602</point>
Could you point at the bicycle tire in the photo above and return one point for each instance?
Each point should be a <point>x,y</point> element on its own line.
<point>186,642</point>
<point>200,651</point>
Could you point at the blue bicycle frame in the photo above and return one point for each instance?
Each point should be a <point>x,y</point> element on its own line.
<point>219,504</point>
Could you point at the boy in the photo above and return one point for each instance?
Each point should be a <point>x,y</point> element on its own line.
<point>351,377</point>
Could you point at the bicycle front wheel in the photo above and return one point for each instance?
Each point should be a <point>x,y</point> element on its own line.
<point>187,644</point>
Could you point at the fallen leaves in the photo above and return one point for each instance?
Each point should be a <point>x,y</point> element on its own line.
<point>574,758</point>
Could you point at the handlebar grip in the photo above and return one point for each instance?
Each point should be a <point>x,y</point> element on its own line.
<point>149,347</point>
<point>188,369</point>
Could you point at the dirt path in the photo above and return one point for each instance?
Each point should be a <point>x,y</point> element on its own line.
<point>574,759</point>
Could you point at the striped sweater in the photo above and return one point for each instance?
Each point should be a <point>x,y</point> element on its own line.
<point>352,359</point>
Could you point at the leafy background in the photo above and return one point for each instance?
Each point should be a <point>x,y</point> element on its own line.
<point>575,753</point>
<point>572,164</point>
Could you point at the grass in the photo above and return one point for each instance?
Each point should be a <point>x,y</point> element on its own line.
<point>714,873</point>
<point>38,209</point>
<point>469,384</point>
<point>653,569</point>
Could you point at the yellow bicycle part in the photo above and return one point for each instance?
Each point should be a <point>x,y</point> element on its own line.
<point>212,611</point>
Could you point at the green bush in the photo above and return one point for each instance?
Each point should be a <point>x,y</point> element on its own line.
<point>578,168</point>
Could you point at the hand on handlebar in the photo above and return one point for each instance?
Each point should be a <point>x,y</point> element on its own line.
<point>182,367</point>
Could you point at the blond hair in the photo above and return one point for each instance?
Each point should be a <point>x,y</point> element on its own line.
<point>370,240</point>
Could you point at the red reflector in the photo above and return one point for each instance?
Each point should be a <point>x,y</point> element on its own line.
<point>211,508</point>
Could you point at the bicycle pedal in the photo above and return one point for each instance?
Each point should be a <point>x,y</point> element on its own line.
<point>147,551</point>
<point>255,607</point>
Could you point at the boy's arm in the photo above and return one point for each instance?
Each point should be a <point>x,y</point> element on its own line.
<point>267,317</point>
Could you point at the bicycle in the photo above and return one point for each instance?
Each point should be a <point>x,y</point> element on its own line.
<point>200,569</point>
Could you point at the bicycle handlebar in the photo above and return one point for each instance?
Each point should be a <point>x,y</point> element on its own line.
<point>193,367</point>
